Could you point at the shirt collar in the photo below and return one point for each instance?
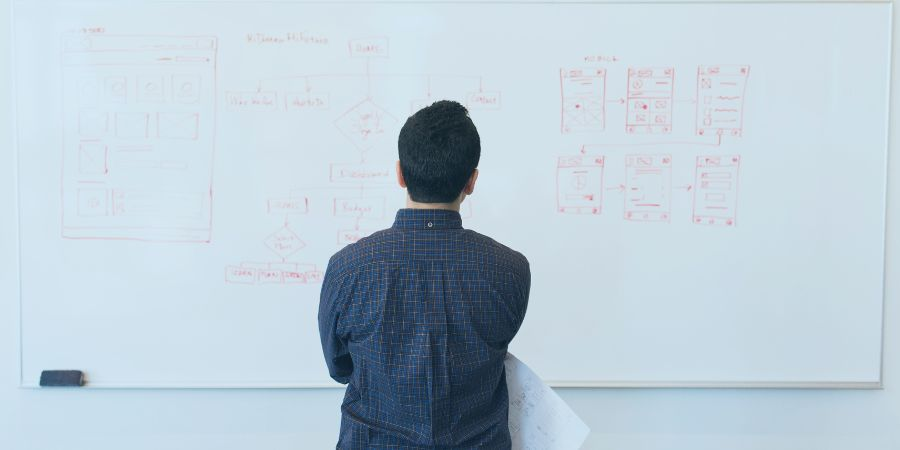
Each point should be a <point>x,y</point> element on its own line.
<point>427,219</point>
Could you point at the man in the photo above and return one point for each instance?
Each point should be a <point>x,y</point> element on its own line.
<point>416,319</point>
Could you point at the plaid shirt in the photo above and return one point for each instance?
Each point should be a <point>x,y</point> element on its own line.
<point>416,319</point>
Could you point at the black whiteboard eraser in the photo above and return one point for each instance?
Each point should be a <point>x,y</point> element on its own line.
<point>62,378</point>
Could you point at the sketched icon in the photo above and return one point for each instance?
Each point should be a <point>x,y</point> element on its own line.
<point>583,113</point>
<point>178,125</point>
<point>365,124</point>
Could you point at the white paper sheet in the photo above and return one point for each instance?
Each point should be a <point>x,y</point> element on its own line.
<point>538,418</point>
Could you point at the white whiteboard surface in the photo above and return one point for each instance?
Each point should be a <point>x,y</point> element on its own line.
<point>700,188</point>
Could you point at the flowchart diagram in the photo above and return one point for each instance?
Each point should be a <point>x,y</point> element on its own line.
<point>359,188</point>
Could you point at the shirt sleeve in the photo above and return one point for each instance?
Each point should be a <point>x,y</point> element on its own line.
<point>525,292</point>
<point>334,344</point>
<point>520,296</point>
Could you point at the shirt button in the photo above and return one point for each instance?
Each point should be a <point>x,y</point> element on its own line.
<point>429,225</point>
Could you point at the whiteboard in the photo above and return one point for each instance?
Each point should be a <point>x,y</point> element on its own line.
<point>700,188</point>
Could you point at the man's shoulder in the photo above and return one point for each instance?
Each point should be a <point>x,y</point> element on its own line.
<point>501,253</point>
<point>359,252</point>
<point>377,247</point>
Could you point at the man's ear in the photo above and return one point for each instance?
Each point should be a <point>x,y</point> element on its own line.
<point>470,185</point>
<point>400,179</point>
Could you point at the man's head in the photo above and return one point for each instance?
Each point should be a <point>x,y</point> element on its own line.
<point>439,152</point>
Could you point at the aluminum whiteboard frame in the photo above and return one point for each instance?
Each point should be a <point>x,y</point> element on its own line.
<point>890,137</point>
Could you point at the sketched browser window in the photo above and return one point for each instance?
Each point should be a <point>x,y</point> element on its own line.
<point>139,125</point>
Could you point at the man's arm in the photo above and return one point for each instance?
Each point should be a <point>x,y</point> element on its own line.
<point>334,345</point>
<point>525,291</point>
<point>520,294</point>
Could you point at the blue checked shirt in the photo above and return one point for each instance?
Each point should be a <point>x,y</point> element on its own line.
<point>416,320</point>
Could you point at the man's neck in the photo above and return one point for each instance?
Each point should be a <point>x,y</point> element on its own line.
<point>410,203</point>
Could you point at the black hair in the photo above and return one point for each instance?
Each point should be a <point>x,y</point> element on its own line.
<point>439,150</point>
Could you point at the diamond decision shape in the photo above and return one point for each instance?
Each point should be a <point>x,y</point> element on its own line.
<point>284,242</point>
<point>365,124</point>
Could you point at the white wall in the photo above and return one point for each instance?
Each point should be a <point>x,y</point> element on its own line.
<point>308,419</point>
